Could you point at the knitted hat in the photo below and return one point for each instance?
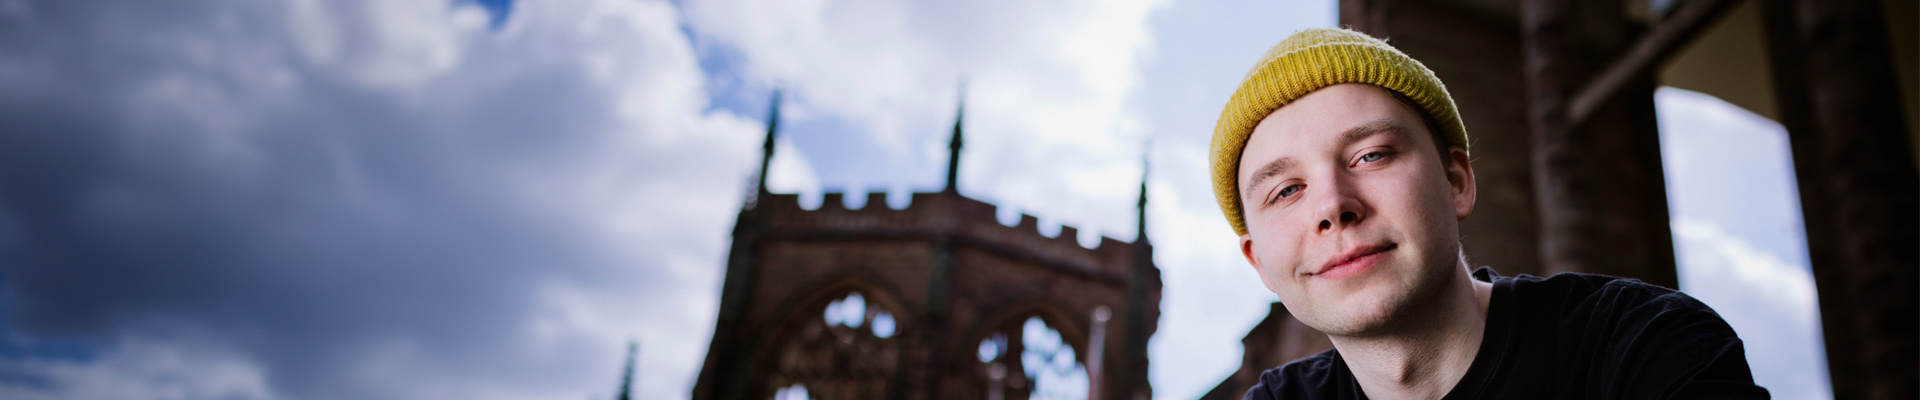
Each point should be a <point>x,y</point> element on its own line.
<point>1307,61</point>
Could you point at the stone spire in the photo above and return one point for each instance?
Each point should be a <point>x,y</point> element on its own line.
<point>1145,155</point>
<point>1143,305</point>
<point>626,378</point>
<point>953,147</point>
<point>773,126</point>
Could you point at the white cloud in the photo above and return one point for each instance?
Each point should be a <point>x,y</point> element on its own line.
<point>854,58</point>
<point>1769,302</point>
<point>390,44</point>
<point>137,369</point>
<point>363,199</point>
<point>1730,166</point>
<point>1047,89</point>
<point>791,171</point>
<point>1714,256</point>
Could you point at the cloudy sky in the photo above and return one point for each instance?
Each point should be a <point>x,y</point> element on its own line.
<point>435,199</point>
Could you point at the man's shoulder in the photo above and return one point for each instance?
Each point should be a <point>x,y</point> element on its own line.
<point>1575,282</point>
<point>1630,340</point>
<point>1576,295</point>
<point>1321,376</point>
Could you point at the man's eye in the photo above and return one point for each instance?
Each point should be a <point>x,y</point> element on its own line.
<point>1290,190</point>
<point>1371,157</point>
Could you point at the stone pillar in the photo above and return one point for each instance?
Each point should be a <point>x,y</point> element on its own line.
<point>1599,186</point>
<point>1838,100</point>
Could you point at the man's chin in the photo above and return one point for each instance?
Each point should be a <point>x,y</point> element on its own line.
<point>1357,314</point>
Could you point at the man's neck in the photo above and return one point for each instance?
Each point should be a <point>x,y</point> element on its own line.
<point>1426,358</point>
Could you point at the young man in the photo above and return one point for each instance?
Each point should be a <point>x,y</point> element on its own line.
<point>1343,165</point>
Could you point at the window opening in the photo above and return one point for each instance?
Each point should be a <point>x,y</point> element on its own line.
<point>1042,365</point>
<point>842,350</point>
<point>792,392</point>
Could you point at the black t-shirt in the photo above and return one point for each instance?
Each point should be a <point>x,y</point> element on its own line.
<point>1569,336</point>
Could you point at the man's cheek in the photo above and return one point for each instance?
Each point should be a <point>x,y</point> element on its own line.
<point>1283,278</point>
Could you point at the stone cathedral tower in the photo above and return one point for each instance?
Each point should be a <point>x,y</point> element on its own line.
<point>937,300</point>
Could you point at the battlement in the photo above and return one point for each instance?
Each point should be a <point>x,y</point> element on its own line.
<point>936,216</point>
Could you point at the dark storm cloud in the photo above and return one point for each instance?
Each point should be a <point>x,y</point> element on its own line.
<point>192,171</point>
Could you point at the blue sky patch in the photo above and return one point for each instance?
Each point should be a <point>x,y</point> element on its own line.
<point>497,10</point>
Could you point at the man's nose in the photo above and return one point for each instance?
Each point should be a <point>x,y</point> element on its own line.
<point>1337,207</point>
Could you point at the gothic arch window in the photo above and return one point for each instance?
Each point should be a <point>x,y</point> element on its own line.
<point>1032,361</point>
<point>847,348</point>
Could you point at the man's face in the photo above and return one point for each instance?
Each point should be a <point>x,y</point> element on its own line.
<point>1352,217</point>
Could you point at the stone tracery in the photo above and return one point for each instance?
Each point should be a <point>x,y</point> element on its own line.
<point>844,350</point>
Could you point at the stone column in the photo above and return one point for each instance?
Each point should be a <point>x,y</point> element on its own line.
<point>1840,104</point>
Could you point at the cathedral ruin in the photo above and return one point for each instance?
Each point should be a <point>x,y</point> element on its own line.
<point>936,300</point>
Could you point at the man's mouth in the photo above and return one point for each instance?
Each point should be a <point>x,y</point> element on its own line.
<point>1353,261</point>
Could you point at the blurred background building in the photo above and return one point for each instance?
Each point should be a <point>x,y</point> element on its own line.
<point>933,300</point>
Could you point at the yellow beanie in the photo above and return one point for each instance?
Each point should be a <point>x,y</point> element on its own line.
<point>1307,61</point>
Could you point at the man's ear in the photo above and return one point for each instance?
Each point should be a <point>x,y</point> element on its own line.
<point>1460,178</point>
<point>1246,249</point>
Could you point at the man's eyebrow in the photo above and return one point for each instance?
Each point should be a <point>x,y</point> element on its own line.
<point>1362,131</point>
<point>1267,172</point>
